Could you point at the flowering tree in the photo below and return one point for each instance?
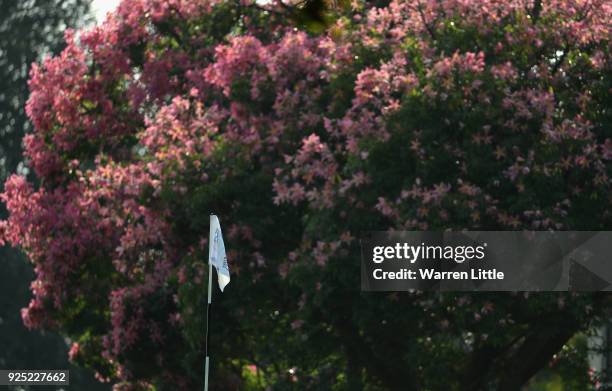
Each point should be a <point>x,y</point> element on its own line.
<point>401,115</point>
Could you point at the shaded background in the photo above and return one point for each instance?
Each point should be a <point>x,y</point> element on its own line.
<point>29,30</point>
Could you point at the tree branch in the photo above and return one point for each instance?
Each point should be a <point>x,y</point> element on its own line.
<point>536,10</point>
<point>480,363</point>
<point>431,32</point>
<point>533,355</point>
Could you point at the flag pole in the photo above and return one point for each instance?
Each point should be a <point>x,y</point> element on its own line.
<point>218,259</point>
<point>208,305</point>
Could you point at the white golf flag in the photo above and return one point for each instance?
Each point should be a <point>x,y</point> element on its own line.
<point>216,252</point>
